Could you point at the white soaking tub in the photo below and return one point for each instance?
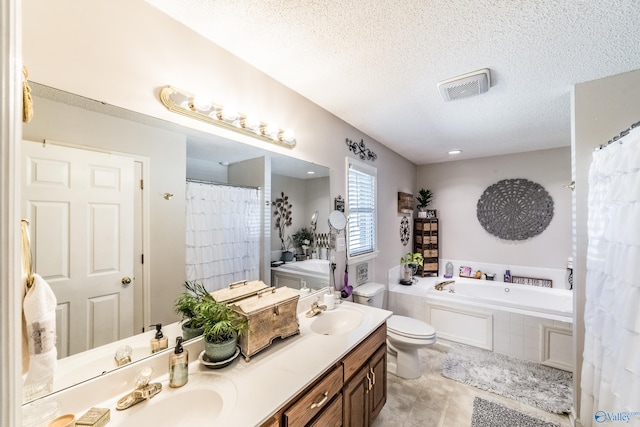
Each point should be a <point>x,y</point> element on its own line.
<point>528,322</point>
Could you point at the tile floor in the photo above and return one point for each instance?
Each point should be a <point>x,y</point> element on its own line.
<point>435,401</point>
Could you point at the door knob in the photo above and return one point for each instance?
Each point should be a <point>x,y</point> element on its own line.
<point>126,280</point>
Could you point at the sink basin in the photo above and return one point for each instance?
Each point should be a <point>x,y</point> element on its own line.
<point>201,401</point>
<point>339,321</point>
<point>198,406</point>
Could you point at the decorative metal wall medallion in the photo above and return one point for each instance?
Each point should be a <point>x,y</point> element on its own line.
<point>405,230</point>
<point>361,150</point>
<point>515,209</point>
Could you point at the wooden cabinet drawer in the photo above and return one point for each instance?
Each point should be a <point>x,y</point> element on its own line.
<point>426,240</point>
<point>358,357</point>
<point>332,416</point>
<point>430,253</point>
<point>426,226</point>
<point>271,422</point>
<point>314,400</point>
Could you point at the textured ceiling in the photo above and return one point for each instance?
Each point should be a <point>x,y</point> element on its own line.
<point>375,64</point>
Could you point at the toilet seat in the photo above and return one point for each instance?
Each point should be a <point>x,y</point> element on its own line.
<point>410,328</point>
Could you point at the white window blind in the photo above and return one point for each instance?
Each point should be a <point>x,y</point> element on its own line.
<point>361,203</point>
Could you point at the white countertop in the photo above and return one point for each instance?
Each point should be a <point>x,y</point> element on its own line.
<point>261,386</point>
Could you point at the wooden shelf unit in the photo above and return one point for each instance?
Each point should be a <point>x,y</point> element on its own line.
<point>426,241</point>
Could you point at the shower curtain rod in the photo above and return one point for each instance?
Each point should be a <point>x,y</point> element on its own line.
<point>200,181</point>
<point>618,137</point>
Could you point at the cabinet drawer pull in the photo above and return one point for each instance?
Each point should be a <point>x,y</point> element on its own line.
<point>321,402</point>
<point>373,376</point>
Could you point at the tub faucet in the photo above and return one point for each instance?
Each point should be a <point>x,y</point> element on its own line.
<point>315,309</point>
<point>440,286</point>
<point>143,390</point>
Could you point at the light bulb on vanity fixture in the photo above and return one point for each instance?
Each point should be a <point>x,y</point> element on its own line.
<point>200,107</point>
<point>271,130</point>
<point>288,135</point>
<point>201,102</point>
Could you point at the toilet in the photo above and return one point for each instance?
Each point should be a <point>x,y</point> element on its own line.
<point>405,335</point>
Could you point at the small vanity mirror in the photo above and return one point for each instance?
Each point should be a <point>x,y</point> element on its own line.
<point>337,221</point>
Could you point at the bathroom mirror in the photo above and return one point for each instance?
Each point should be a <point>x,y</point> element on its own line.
<point>314,221</point>
<point>337,220</point>
<point>168,155</point>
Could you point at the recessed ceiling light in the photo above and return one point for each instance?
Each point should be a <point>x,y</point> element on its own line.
<point>310,173</point>
<point>224,163</point>
<point>455,151</point>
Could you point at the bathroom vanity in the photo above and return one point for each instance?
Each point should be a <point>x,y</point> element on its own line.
<point>334,371</point>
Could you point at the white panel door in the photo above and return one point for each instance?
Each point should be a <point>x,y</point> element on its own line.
<point>80,207</point>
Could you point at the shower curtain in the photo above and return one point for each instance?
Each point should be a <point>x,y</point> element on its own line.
<point>611,367</point>
<point>223,234</point>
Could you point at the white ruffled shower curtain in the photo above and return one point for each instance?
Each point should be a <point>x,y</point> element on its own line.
<point>611,367</point>
<point>223,234</point>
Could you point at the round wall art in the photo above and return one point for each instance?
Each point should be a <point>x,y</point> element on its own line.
<point>515,209</point>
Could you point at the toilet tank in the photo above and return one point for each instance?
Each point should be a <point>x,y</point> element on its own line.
<point>371,294</point>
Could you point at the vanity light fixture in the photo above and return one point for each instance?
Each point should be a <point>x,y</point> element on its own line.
<point>201,108</point>
<point>455,152</point>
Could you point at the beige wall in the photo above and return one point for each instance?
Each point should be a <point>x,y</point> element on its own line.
<point>458,185</point>
<point>167,154</point>
<point>123,52</point>
<point>601,110</point>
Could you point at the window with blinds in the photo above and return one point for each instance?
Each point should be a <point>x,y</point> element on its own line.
<point>361,205</point>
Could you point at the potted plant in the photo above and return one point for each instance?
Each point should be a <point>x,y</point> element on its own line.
<point>424,199</point>
<point>411,261</point>
<point>283,218</point>
<point>187,306</point>
<point>222,326</point>
<point>303,239</point>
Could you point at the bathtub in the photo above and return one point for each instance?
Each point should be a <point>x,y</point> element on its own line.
<point>310,266</point>
<point>522,321</point>
<point>315,272</point>
<point>548,303</point>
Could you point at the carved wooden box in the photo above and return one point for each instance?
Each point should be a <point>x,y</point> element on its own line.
<point>271,313</point>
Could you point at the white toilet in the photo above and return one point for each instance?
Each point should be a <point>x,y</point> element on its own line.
<point>404,334</point>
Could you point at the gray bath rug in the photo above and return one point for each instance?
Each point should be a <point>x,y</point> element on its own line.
<point>537,385</point>
<point>491,414</point>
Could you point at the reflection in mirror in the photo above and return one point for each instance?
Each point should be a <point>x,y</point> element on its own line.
<point>337,220</point>
<point>163,155</point>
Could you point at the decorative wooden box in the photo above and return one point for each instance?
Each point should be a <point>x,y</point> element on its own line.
<point>239,290</point>
<point>270,312</point>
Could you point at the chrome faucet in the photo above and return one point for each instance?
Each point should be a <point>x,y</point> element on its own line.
<point>316,308</point>
<point>143,390</point>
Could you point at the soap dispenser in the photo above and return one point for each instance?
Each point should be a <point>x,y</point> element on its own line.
<point>160,342</point>
<point>178,365</point>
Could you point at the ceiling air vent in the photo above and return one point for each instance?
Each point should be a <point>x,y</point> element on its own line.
<point>466,85</point>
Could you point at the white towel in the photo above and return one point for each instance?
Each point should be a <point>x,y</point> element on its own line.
<point>39,310</point>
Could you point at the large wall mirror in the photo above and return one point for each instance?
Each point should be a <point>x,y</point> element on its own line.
<point>118,265</point>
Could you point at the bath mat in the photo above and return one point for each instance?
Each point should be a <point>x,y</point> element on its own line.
<point>537,385</point>
<point>491,414</point>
